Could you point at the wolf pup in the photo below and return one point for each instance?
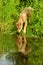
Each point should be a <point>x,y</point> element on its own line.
<point>22,22</point>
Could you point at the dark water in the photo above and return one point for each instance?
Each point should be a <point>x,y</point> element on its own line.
<point>21,50</point>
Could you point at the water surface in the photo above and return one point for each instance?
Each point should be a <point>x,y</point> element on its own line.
<point>20,50</point>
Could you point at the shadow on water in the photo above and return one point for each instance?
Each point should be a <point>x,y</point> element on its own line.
<point>21,56</point>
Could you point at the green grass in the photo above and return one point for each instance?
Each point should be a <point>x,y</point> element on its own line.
<point>9,15</point>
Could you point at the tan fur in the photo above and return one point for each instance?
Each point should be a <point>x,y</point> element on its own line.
<point>24,15</point>
<point>21,42</point>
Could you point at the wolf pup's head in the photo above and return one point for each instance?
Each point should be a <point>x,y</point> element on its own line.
<point>19,26</point>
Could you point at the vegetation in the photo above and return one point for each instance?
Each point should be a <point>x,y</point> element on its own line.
<point>9,15</point>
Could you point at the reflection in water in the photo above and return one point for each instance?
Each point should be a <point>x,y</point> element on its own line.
<point>23,47</point>
<point>20,57</point>
<point>4,61</point>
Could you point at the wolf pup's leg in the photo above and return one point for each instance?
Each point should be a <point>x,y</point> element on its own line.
<point>25,26</point>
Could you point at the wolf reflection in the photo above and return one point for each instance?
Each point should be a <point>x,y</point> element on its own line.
<point>20,57</point>
<point>22,44</point>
